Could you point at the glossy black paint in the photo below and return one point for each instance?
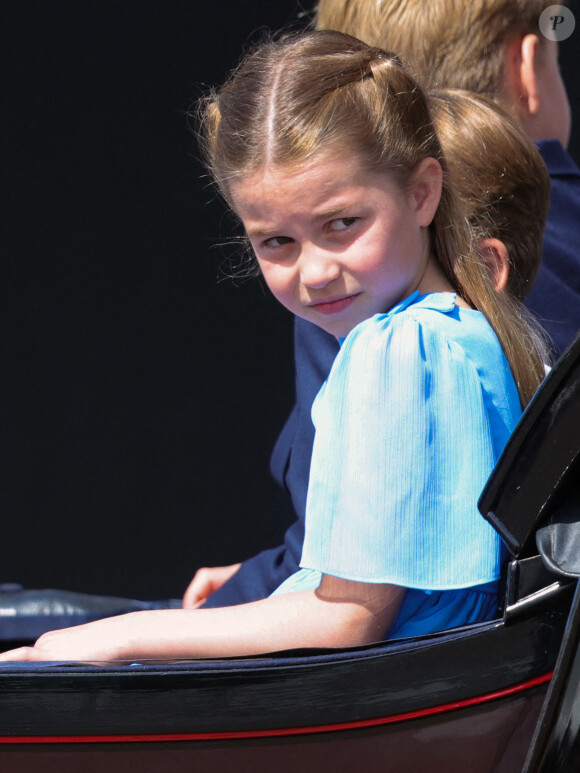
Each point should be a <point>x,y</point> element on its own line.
<point>555,745</point>
<point>478,740</point>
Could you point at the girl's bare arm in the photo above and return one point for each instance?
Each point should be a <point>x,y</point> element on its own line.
<point>339,613</point>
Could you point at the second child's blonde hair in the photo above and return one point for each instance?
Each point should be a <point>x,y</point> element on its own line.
<point>447,43</point>
<point>301,96</point>
<point>499,174</point>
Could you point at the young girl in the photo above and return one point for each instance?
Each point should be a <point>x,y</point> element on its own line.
<point>504,188</point>
<point>325,149</point>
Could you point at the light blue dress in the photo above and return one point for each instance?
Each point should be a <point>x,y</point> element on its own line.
<point>418,406</point>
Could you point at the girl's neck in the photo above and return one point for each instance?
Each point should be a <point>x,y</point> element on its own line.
<point>433,280</point>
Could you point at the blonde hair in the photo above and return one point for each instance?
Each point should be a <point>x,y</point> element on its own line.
<point>499,174</point>
<point>297,96</point>
<point>446,43</point>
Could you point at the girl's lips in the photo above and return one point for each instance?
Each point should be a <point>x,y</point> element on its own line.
<point>333,307</point>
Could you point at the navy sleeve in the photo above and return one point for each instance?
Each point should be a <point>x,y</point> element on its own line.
<point>555,296</point>
<point>314,351</point>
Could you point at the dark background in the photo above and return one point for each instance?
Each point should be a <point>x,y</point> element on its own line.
<point>140,395</point>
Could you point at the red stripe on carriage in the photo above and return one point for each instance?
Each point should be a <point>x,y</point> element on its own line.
<point>307,730</point>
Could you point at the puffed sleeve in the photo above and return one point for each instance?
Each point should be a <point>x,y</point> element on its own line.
<point>402,450</point>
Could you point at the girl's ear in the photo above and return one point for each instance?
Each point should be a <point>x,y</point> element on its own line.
<point>495,257</point>
<point>426,184</point>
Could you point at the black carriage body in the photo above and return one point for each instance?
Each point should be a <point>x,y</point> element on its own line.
<point>468,700</point>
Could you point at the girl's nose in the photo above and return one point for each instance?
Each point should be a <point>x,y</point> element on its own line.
<point>318,268</point>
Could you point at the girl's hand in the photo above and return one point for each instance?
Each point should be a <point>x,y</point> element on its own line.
<point>205,582</point>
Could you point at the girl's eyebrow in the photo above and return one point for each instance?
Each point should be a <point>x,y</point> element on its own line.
<point>254,233</point>
<point>330,212</point>
<point>339,201</point>
<point>261,232</point>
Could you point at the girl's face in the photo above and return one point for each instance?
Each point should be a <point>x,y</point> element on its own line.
<point>337,243</point>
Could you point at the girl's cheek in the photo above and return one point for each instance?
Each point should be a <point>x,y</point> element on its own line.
<point>274,278</point>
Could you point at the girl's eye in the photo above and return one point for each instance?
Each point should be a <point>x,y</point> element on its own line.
<point>342,223</point>
<point>277,241</point>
